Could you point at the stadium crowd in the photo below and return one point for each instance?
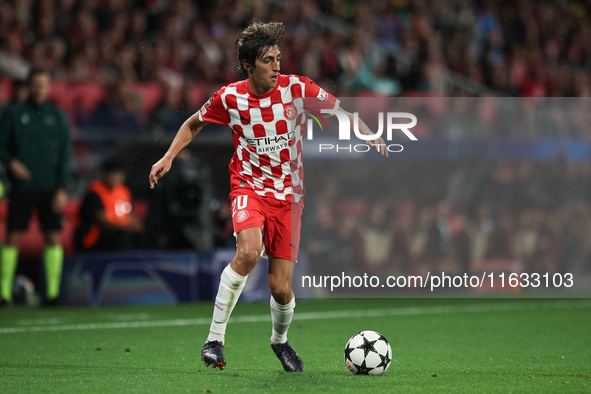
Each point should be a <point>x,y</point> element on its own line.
<point>140,68</point>
<point>535,217</point>
<point>183,50</point>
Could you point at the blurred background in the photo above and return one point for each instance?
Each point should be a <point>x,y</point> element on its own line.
<point>493,182</point>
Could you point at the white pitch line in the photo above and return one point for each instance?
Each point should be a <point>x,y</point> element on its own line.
<point>326,315</point>
<point>29,322</point>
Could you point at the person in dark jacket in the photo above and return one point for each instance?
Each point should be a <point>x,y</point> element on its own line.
<point>36,148</point>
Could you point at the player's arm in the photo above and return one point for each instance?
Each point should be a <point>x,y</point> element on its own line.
<point>186,133</point>
<point>60,197</point>
<point>320,99</point>
<point>378,144</point>
<point>16,167</point>
<point>5,136</point>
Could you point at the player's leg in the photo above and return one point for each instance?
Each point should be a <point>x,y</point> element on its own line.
<point>233,278</point>
<point>284,231</point>
<point>282,300</point>
<point>232,281</point>
<point>53,260</point>
<point>282,307</point>
<point>20,207</point>
<point>8,264</point>
<point>53,256</point>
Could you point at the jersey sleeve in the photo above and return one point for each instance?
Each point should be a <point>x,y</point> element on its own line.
<point>214,110</point>
<point>318,98</point>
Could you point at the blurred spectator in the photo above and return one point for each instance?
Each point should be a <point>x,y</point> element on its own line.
<point>320,222</point>
<point>106,220</point>
<point>548,253</point>
<point>575,236</point>
<point>376,241</point>
<point>12,63</point>
<point>525,237</point>
<point>19,94</point>
<point>119,111</point>
<point>122,67</point>
<point>500,240</point>
<point>343,247</point>
<point>424,244</point>
<point>20,91</point>
<point>460,244</point>
<point>35,144</point>
<point>223,227</point>
<point>180,216</point>
<point>497,186</point>
<point>402,230</point>
<point>171,112</point>
<point>483,225</point>
<point>530,186</point>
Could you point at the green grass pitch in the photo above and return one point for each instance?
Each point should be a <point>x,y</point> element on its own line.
<point>439,345</point>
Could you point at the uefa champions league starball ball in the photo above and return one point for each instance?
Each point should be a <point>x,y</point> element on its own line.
<point>368,353</point>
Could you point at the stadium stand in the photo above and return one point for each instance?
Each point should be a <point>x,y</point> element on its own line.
<point>535,209</point>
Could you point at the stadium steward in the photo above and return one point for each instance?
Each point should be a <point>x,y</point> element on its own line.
<point>105,219</point>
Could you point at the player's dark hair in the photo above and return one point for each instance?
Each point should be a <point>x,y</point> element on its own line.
<point>34,72</point>
<point>254,41</point>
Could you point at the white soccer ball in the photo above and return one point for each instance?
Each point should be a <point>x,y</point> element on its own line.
<point>368,353</point>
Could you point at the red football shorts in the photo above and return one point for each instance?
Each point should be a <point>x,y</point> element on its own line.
<point>280,221</point>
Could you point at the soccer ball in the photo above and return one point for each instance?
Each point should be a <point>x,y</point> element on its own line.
<point>368,353</point>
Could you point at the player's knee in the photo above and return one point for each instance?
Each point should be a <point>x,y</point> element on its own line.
<point>52,241</point>
<point>14,239</point>
<point>247,257</point>
<point>280,291</point>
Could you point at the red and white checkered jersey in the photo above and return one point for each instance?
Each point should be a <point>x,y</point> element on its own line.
<point>267,131</point>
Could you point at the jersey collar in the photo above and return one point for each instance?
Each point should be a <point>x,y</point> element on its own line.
<point>268,94</point>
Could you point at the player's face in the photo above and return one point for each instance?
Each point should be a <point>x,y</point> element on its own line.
<point>263,77</point>
<point>39,88</point>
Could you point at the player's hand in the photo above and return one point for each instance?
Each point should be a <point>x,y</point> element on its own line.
<point>159,169</point>
<point>380,145</point>
<point>19,170</point>
<point>59,201</point>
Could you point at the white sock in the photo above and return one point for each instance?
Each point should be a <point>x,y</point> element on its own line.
<point>231,285</point>
<point>281,316</point>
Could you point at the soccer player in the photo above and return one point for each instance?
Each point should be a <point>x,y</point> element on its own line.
<point>266,176</point>
<point>35,144</point>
